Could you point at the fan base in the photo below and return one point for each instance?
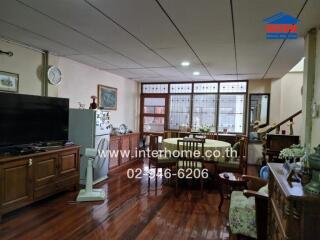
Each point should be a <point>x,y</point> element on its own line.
<point>95,195</point>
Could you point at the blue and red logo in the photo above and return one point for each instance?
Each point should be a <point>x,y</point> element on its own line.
<point>281,26</point>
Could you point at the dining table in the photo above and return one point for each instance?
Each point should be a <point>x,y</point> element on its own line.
<point>216,150</point>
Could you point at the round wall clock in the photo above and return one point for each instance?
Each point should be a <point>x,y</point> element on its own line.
<point>54,75</point>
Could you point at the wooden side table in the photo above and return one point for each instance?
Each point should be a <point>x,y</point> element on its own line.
<point>233,181</point>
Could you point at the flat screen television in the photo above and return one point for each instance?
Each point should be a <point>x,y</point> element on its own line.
<point>27,119</point>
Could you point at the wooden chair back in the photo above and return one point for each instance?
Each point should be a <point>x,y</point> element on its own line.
<point>243,139</point>
<point>171,134</point>
<point>212,135</point>
<point>188,158</point>
<point>153,145</point>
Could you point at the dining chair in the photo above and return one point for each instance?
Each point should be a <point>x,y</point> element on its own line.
<point>237,163</point>
<point>161,162</point>
<point>189,160</point>
<point>250,207</point>
<point>171,134</point>
<point>212,135</point>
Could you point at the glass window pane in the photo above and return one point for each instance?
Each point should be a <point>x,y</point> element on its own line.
<point>179,111</point>
<point>231,113</point>
<point>154,105</point>
<point>181,88</point>
<point>205,87</point>
<point>155,88</point>
<point>153,124</point>
<point>229,87</point>
<point>204,111</point>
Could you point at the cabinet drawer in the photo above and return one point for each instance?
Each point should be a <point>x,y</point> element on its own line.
<point>45,169</point>
<point>45,191</point>
<point>68,182</point>
<point>69,163</point>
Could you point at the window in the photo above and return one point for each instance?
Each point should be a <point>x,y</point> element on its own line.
<point>154,109</point>
<point>181,88</point>
<point>231,113</point>
<point>155,88</point>
<point>233,87</point>
<point>220,106</point>
<point>206,87</point>
<point>179,111</point>
<point>204,111</point>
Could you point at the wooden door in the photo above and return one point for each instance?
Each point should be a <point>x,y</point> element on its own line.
<point>154,114</point>
<point>45,169</point>
<point>16,184</point>
<point>68,163</point>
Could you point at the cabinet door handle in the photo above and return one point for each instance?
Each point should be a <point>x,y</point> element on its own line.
<point>30,162</point>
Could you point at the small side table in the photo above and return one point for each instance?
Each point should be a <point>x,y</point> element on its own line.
<point>234,181</point>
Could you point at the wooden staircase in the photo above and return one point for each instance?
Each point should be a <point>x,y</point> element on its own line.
<point>274,143</point>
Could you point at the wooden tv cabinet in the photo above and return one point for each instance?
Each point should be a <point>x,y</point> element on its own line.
<point>25,179</point>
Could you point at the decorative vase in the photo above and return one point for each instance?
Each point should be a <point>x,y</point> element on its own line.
<point>314,162</point>
<point>93,105</point>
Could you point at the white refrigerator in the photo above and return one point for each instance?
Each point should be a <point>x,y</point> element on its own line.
<point>88,128</point>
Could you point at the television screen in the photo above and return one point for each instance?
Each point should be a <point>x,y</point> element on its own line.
<point>26,119</point>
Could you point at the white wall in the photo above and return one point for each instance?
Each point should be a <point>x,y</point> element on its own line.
<point>29,79</point>
<point>79,82</point>
<point>286,99</point>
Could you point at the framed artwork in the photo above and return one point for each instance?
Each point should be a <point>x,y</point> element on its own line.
<point>9,82</point>
<point>107,97</point>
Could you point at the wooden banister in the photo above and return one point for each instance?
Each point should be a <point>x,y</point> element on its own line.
<point>277,127</point>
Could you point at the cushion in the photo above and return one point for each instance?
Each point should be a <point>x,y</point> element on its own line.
<point>264,190</point>
<point>242,215</point>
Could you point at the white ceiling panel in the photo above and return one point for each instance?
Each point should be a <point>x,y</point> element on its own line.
<point>12,32</point>
<point>83,18</point>
<point>310,17</point>
<point>141,40</point>
<point>145,19</point>
<point>207,26</point>
<point>290,54</point>
<point>91,61</point>
<point>25,17</point>
<point>169,72</point>
<point>117,60</point>
<point>254,51</point>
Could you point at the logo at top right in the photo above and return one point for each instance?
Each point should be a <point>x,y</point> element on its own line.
<point>281,26</point>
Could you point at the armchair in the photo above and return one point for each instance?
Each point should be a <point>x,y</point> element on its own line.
<point>248,209</point>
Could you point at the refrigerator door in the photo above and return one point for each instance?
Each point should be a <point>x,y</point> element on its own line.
<point>82,124</point>
<point>101,163</point>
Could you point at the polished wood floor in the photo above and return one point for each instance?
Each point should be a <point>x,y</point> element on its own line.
<point>129,212</point>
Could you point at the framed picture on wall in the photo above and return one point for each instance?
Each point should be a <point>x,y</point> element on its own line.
<point>9,82</point>
<point>107,97</point>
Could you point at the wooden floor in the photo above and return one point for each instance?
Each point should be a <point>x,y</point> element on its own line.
<point>129,212</point>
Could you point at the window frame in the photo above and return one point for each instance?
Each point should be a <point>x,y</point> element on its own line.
<point>218,93</point>
<point>143,114</point>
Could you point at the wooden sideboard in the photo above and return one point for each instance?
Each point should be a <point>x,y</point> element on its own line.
<point>25,179</point>
<point>275,143</point>
<point>125,143</point>
<point>293,213</point>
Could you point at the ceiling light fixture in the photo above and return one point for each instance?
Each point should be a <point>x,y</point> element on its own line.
<point>196,73</point>
<point>185,63</point>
